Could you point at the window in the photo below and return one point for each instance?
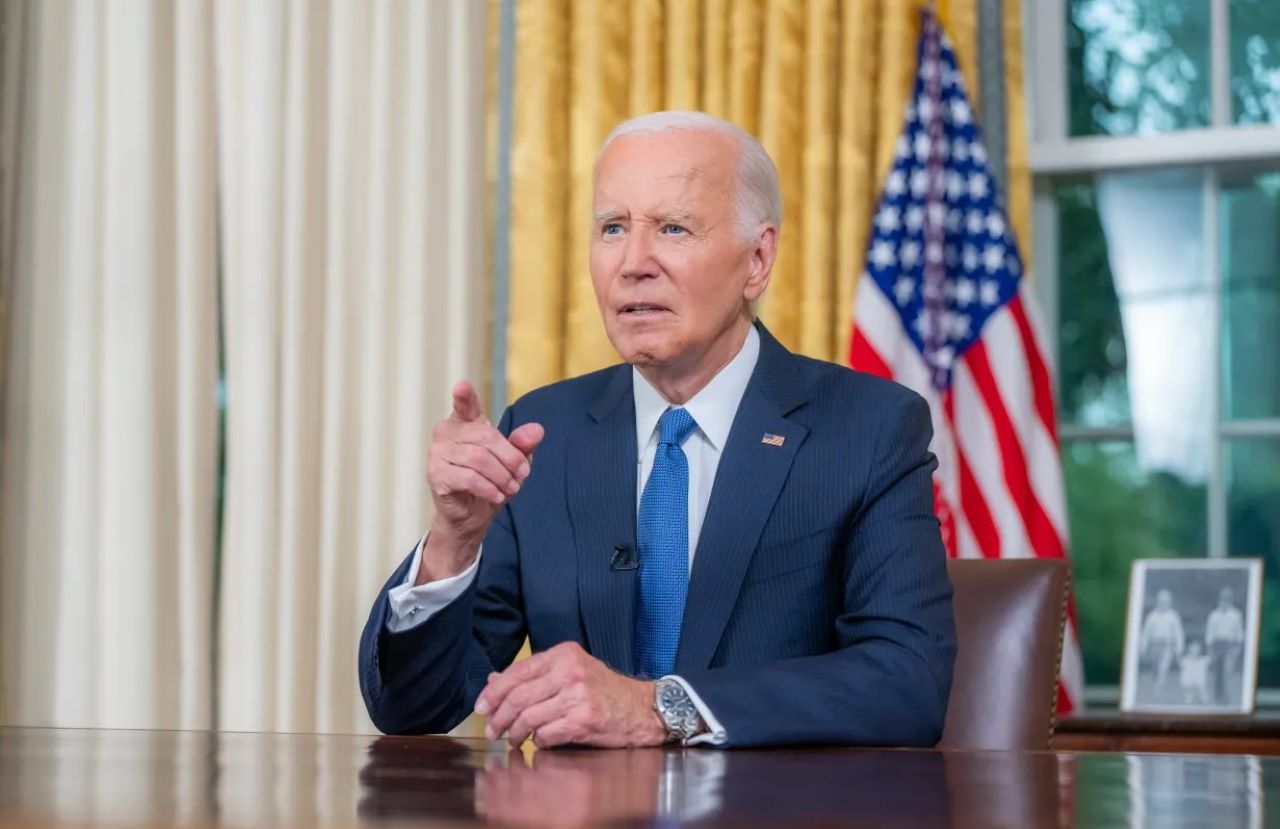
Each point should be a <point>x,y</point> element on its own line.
<point>1156,161</point>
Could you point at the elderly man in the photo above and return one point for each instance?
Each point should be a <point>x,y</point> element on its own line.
<point>717,542</point>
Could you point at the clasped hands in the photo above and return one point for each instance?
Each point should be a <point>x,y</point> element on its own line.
<point>565,696</point>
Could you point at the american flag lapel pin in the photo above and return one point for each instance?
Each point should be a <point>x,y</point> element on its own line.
<point>772,439</point>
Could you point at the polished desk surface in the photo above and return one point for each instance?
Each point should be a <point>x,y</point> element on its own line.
<point>54,777</point>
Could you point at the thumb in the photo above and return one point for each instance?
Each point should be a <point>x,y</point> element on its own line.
<point>466,403</point>
<point>527,437</point>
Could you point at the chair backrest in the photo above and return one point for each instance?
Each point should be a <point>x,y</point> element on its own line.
<point>1010,617</point>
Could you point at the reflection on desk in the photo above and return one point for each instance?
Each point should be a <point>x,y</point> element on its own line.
<point>48,777</point>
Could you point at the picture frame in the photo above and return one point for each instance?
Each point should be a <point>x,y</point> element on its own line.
<point>1191,636</point>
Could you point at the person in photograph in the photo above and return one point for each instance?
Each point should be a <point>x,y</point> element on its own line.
<point>1224,636</point>
<point>1161,641</point>
<point>1193,675</point>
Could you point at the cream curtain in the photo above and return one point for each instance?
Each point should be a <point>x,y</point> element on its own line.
<point>822,83</point>
<point>107,496</point>
<point>352,172</point>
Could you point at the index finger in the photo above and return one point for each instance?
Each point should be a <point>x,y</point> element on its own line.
<point>499,685</point>
<point>466,402</point>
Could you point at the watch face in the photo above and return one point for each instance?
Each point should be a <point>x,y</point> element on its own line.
<point>674,703</point>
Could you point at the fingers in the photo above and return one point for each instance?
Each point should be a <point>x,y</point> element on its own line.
<point>466,402</point>
<point>483,460</point>
<point>527,437</point>
<point>517,703</point>
<point>537,716</point>
<point>495,692</point>
<point>455,479</point>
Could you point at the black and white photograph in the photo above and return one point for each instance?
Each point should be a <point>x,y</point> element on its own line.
<point>1191,641</point>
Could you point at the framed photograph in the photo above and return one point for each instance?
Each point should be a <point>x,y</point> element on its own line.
<point>1191,638</point>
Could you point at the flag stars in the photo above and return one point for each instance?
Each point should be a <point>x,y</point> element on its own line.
<point>922,147</point>
<point>883,255</point>
<point>959,326</point>
<point>924,108</point>
<point>978,187</point>
<point>966,290</point>
<point>910,254</point>
<point>995,225</point>
<point>904,289</point>
<point>942,357</point>
<point>888,219</point>
<point>993,257</point>
<point>919,182</point>
<point>960,113</point>
<point>903,148</point>
<point>896,184</point>
<point>990,292</point>
<point>975,222</point>
<point>914,218</point>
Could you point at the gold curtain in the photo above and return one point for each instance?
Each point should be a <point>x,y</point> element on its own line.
<point>822,83</point>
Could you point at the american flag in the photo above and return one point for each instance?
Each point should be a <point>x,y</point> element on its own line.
<point>942,308</point>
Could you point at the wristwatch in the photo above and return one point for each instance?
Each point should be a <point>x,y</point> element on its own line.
<point>677,711</point>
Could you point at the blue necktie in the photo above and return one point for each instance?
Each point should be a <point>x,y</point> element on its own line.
<point>664,549</point>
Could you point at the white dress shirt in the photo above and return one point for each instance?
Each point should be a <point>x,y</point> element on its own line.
<point>1224,625</point>
<point>713,409</point>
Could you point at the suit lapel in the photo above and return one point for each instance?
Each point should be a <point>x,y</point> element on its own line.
<point>601,491</point>
<point>748,480</point>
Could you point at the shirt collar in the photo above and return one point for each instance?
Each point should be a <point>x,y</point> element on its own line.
<point>713,408</point>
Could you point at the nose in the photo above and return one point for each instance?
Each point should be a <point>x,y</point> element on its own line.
<point>638,261</point>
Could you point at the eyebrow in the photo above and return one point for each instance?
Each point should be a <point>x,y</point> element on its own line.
<point>678,217</point>
<point>607,215</point>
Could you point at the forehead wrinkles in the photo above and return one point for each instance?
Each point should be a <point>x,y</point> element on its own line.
<point>637,192</point>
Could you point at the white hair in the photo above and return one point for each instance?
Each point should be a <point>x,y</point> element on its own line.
<point>757,197</point>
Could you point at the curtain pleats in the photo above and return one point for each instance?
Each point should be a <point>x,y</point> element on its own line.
<point>110,424</point>
<point>822,83</point>
<point>354,296</point>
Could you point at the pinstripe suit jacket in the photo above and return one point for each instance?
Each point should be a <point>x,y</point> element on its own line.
<point>819,608</point>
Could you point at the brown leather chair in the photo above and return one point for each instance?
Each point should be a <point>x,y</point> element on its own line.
<point>1010,617</point>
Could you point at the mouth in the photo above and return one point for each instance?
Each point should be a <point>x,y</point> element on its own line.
<point>639,310</point>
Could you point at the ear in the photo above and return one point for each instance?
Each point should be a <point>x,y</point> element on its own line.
<point>760,263</point>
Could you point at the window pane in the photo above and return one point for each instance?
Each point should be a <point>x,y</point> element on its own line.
<point>1251,297</point>
<point>1253,531</point>
<point>1137,67</point>
<point>1121,508</point>
<point>1133,299</point>
<point>1255,61</point>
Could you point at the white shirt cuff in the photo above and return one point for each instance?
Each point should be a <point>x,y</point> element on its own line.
<point>715,734</point>
<point>411,606</point>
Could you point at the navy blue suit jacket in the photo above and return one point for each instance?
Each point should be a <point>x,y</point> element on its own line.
<point>819,608</point>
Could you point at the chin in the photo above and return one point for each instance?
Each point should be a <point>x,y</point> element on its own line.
<point>643,350</point>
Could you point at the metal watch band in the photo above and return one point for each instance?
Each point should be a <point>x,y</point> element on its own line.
<point>677,710</point>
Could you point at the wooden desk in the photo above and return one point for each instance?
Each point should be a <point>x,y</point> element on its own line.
<point>137,778</point>
<point>1134,732</point>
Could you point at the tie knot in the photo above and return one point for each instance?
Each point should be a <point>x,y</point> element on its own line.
<point>675,426</point>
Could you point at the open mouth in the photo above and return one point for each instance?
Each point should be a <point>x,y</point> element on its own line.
<point>641,309</point>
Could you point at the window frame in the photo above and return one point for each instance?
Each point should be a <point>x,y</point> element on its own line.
<point>1055,156</point>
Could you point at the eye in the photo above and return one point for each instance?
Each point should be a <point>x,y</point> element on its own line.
<point>670,229</point>
<point>611,229</point>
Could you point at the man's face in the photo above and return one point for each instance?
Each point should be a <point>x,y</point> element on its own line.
<point>671,273</point>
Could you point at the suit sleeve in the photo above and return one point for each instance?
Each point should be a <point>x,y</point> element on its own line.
<point>425,679</point>
<point>887,682</point>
